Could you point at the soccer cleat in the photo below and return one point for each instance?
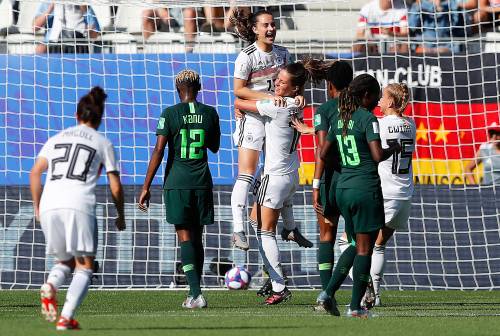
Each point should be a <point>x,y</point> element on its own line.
<point>378,303</point>
<point>369,298</point>
<point>65,324</point>
<point>49,302</point>
<point>240,241</point>
<point>324,303</point>
<point>266,289</point>
<point>296,236</point>
<point>359,313</point>
<point>278,297</point>
<point>195,303</point>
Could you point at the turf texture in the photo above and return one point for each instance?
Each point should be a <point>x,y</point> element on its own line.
<point>241,313</point>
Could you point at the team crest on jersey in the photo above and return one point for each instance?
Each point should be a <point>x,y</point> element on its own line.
<point>161,123</point>
<point>317,120</point>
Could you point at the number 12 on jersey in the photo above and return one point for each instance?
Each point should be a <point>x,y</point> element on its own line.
<point>197,140</point>
<point>401,162</point>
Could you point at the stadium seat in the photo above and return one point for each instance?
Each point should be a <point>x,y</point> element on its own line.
<point>165,43</point>
<point>21,43</point>
<point>329,25</point>
<point>5,14</point>
<point>493,42</point>
<point>215,44</point>
<point>354,5</point>
<point>130,18</point>
<point>103,14</point>
<point>119,43</point>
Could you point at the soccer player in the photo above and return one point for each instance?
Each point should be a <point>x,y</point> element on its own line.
<point>281,178</point>
<point>396,173</point>
<point>73,160</point>
<point>358,194</point>
<point>256,68</point>
<point>189,128</point>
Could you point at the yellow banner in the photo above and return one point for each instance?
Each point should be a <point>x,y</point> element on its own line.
<point>425,171</point>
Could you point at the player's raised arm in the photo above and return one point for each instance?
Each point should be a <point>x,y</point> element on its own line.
<point>39,167</point>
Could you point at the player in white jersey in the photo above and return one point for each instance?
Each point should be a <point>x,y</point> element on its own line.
<point>73,160</point>
<point>281,179</point>
<point>256,68</point>
<point>396,174</point>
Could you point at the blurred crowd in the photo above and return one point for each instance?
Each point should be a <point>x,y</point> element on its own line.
<point>417,25</point>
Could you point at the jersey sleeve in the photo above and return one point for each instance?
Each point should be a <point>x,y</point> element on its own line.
<point>372,129</point>
<point>267,108</point>
<point>331,135</point>
<point>109,158</point>
<point>320,120</point>
<point>242,66</point>
<point>162,128</point>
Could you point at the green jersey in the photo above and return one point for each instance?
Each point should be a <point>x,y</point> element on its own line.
<point>359,171</point>
<point>324,117</point>
<point>191,128</point>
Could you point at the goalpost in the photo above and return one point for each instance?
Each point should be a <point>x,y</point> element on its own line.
<point>453,238</point>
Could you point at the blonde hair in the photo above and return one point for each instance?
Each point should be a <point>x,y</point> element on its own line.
<point>189,78</point>
<point>400,93</point>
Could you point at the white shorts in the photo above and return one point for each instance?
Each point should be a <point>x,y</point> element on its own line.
<point>397,213</point>
<point>276,190</point>
<point>69,233</point>
<point>250,133</point>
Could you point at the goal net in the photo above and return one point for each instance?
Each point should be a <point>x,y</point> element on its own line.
<point>133,49</point>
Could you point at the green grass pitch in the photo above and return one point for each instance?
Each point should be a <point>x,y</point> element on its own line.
<point>240,313</point>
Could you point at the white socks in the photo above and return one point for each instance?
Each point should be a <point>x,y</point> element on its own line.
<point>268,248</point>
<point>377,269</point>
<point>58,275</point>
<point>76,292</point>
<point>239,198</point>
<point>343,245</point>
<point>287,216</point>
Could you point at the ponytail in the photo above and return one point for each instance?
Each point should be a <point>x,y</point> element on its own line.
<point>91,106</point>
<point>400,93</point>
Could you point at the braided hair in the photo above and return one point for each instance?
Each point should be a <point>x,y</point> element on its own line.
<point>189,78</point>
<point>90,107</point>
<point>244,23</point>
<point>400,94</point>
<point>351,98</point>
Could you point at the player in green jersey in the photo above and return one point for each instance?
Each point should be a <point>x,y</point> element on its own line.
<point>358,192</point>
<point>189,128</point>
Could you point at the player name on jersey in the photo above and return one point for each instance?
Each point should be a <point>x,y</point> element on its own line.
<point>193,119</point>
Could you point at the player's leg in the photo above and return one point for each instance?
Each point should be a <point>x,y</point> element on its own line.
<point>54,232</point>
<point>77,291</point>
<point>247,165</point>
<point>290,231</point>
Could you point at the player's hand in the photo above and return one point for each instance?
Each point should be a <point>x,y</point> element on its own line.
<point>238,114</point>
<point>279,101</point>
<point>317,201</point>
<point>144,198</point>
<point>301,126</point>
<point>120,223</point>
<point>300,101</point>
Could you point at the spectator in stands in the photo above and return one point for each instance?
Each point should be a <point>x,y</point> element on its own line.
<point>64,21</point>
<point>489,155</point>
<point>436,23</point>
<point>488,11</point>
<point>157,20</point>
<point>382,20</point>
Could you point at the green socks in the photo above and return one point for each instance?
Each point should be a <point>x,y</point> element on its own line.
<point>325,262</point>
<point>341,270</point>
<point>188,258</point>
<point>361,277</point>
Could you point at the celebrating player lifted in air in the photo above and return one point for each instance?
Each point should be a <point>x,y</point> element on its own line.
<point>256,68</point>
<point>73,160</point>
<point>358,193</point>
<point>189,128</point>
<point>281,178</point>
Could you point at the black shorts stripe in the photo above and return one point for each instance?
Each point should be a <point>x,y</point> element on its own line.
<point>262,190</point>
<point>242,133</point>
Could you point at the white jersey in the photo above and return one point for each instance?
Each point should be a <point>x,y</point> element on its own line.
<point>396,173</point>
<point>260,68</point>
<point>75,157</point>
<point>281,138</point>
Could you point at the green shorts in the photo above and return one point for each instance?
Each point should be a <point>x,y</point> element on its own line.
<point>189,207</point>
<point>363,211</point>
<point>327,196</point>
